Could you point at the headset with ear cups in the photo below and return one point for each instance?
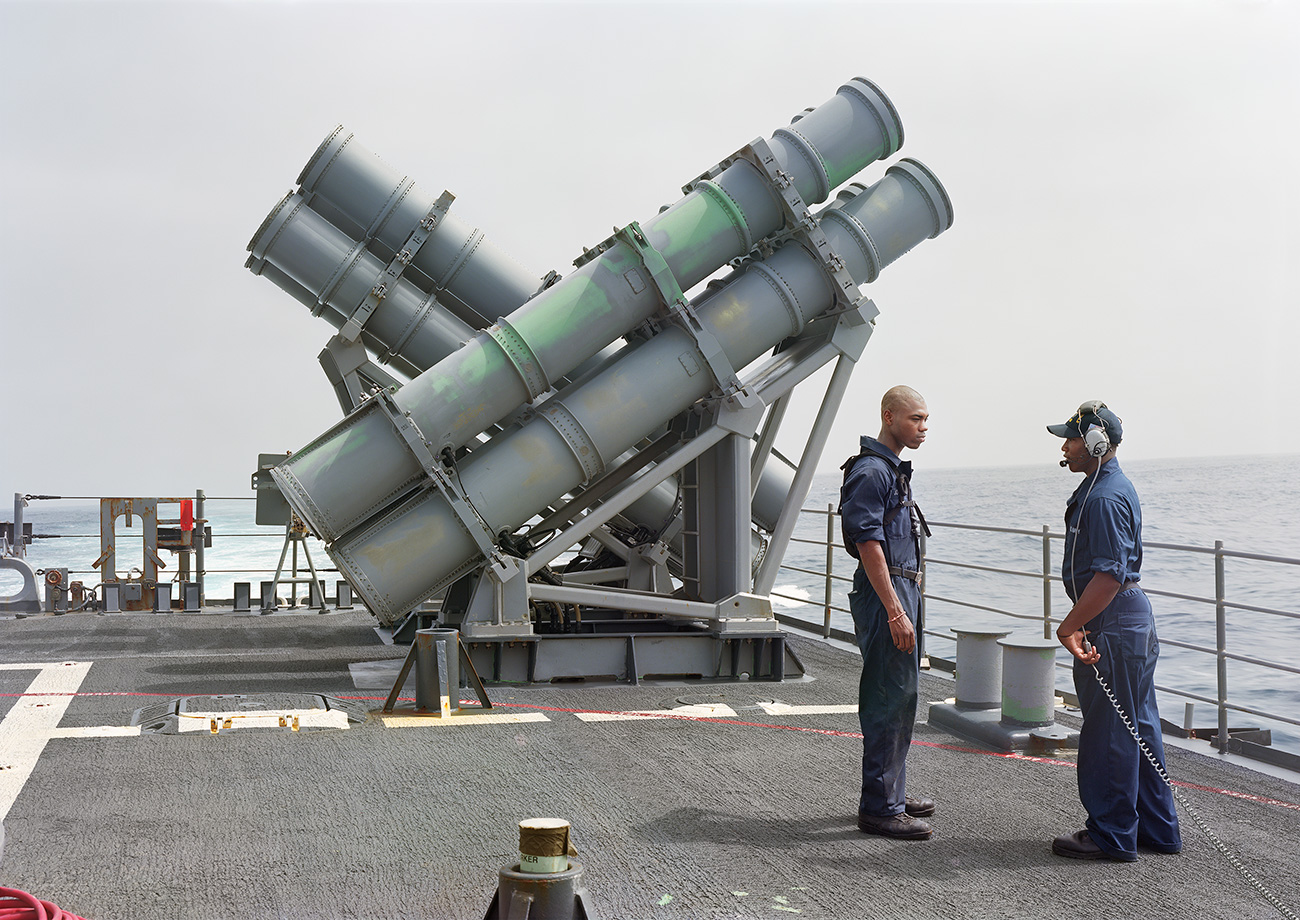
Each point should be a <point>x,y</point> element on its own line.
<point>1097,443</point>
<point>1095,439</point>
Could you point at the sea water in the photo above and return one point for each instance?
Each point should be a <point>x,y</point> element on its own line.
<point>1248,503</point>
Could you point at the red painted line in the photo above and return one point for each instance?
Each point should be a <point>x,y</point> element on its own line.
<point>92,693</point>
<point>1261,799</point>
<point>1007,755</point>
<point>834,733</point>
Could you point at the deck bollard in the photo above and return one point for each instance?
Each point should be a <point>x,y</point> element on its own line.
<point>979,668</point>
<point>1028,681</point>
<point>27,600</point>
<point>1026,716</point>
<point>528,890</point>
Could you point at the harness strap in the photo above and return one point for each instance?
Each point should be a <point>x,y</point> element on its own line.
<point>904,489</point>
<point>909,503</point>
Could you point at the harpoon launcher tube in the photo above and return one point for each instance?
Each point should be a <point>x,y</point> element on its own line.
<point>357,468</point>
<point>348,193</point>
<point>320,265</point>
<point>411,551</point>
<point>363,194</point>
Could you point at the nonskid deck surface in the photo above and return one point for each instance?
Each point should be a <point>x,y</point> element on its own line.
<point>741,807</point>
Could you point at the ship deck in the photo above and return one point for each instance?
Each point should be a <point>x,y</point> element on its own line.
<point>746,811</point>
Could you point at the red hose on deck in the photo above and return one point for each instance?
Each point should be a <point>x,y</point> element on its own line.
<point>19,905</point>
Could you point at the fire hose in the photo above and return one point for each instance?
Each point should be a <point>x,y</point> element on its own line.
<point>19,905</point>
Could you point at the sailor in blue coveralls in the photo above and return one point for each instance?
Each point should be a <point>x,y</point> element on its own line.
<point>1110,628</point>
<point>882,527</point>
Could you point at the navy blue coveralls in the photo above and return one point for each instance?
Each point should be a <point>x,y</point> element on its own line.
<point>876,504</point>
<point>1126,800</point>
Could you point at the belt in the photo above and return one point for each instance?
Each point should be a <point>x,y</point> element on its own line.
<point>904,573</point>
<point>1128,585</point>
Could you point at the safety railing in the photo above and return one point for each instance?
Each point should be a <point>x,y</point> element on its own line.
<point>237,555</point>
<point>809,544</point>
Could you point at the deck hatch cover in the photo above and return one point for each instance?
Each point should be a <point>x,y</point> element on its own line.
<point>248,712</point>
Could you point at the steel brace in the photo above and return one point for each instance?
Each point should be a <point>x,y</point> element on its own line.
<point>393,271</point>
<point>678,310</point>
<point>800,224</point>
<point>676,307</point>
<point>467,515</point>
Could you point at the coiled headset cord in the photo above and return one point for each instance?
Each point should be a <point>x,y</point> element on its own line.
<point>1219,845</point>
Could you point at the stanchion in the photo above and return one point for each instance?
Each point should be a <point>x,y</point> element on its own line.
<point>439,660</point>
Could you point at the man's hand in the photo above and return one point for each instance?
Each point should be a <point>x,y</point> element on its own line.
<point>900,629</point>
<point>1074,644</point>
<point>873,563</point>
<point>1096,597</point>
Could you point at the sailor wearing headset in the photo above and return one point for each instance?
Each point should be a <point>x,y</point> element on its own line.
<point>1112,635</point>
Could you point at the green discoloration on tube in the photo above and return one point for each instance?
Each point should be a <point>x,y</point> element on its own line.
<point>579,301</point>
<point>693,234</point>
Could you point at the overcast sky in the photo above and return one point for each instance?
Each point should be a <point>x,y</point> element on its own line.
<point>1122,174</point>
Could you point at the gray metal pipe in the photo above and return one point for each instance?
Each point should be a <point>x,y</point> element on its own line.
<point>437,670</point>
<point>350,201</point>
<point>360,466</point>
<point>337,273</point>
<point>19,548</point>
<point>385,206</point>
<point>821,429</point>
<point>415,548</point>
<point>200,516</point>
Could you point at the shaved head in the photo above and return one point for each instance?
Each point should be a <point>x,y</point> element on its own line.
<point>899,398</point>
<point>903,419</point>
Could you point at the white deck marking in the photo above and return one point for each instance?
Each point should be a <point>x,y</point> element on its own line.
<point>261,718</point>
<point>696,711</point>
<point>465,719</point>
<point>785,709</point>
<point>97,731</point>
<point>31,721</point>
